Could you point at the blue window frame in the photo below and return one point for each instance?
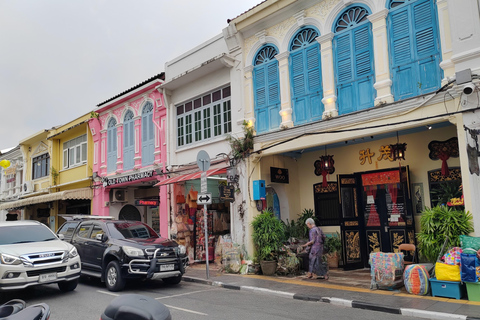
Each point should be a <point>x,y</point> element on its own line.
<point>266,89</point>
<point>306,76</point>
<point>353,59</point>
<point>128,141</point>
<point>414,47</point>
<point>148,135</point>
<point>111,145</point>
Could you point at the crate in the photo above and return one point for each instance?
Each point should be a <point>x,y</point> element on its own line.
<point>447,289</point>
<point>473,291</point>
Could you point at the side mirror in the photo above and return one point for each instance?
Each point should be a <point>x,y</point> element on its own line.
<point>61,236</point>
<point>101,237</point>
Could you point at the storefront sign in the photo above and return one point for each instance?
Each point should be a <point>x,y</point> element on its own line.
<point>129,178</point>
<point>279,175</point>
<point>227,193</point>
<point>151,203</point>
<point>367,155</point>
<point>12,179</point>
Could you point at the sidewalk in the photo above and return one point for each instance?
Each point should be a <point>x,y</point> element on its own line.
<point>345,288</point>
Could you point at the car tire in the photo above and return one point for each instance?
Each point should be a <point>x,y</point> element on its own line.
<point>172,280</point>
<point>67,286</point>
<point>113,277</point>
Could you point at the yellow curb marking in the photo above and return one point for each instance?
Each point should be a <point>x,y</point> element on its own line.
<point>355,289</point>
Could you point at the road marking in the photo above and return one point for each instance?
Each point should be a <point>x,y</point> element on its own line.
<point>187,310</point>
<point>109,293</point>
<point>183,294</point>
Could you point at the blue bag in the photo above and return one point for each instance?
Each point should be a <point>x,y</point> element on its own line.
<point>468,271</point>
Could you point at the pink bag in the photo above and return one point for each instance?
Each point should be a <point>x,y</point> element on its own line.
<point>452,257</point>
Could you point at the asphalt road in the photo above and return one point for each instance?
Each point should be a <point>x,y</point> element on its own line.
<point>189,301</point>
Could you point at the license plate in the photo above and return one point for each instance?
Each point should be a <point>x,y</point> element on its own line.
<point>48,277</point>
<point>167,267</point>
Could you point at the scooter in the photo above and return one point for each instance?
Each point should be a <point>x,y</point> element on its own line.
<point>135,307</point>
<point>17,309</point>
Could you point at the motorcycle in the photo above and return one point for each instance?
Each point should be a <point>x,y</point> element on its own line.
<point>17,309</point>
<point>135,307</point>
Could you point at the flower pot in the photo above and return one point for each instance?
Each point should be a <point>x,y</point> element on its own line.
<point>332,260</point>
<point>268,267</point>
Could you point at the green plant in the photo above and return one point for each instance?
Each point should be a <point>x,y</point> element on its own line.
<point>241,146</point>
<point>297,228</point>
<point>444,191</point>
<point>437,223</point>
<point>54,174</point>
<point>333,244</point>
<point>93,114</point>
<point>268,235</point>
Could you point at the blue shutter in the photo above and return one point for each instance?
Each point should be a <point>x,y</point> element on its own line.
<point>344,73</point>
<point>314,82</point>
<point>364,68</point>
<point>273,94</point>
<point>111,149</point>
<point>148,138</point>
<point>128,142</point>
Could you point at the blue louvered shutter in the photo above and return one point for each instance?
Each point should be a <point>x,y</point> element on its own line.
<point>364,68</point>
<point>344,73</point>
<point>273,94</point>
<point>261,114</point>
<point>111,147</point>
<point>148,138</point>
<point>298,87</point>
<point>128,142</point>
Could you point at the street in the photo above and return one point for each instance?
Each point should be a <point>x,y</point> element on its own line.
<point>188,301</point>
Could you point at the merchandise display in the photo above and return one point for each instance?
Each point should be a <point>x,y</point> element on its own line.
<point>415,279</point>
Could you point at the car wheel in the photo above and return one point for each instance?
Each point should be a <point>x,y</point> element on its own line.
<point>172,280</point>
<point>66,286</point>
<point>113,277</point>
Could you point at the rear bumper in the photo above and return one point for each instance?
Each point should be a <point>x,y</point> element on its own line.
<point>20,277</point>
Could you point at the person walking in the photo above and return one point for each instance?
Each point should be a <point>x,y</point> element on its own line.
<point>316,268</point>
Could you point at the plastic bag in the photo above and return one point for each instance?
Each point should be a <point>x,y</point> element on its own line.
<point>446,272</point>
<point>468,267</point>
<point>452,256</point>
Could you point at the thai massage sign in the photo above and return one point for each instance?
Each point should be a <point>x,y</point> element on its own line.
<point>129,178</point>
<point>367,155</point>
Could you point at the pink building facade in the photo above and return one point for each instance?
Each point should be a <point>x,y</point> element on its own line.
<point>129,156</point>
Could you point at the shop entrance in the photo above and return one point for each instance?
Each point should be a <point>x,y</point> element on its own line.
<point>375,214</point>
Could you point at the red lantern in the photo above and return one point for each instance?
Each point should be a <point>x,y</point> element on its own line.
<point>327,167</point>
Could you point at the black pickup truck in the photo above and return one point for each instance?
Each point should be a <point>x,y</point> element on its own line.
<point>115,251</point>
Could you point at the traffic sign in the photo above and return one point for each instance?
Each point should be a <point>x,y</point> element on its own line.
<point>204,198</point>
<point>203,160</point>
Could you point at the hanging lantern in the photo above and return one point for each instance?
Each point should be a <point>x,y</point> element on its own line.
<point>397,151</point>
<point>326,166</point>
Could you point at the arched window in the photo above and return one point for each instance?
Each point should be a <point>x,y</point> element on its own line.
<point>148,137</point>
<point>353,59</point>
<point>414,47</point>
<point>266,89</point>
<point>128,141</point>
<point>306,76</point>
<point>112,145</point>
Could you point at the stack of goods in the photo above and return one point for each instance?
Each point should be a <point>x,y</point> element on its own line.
<point>447,282</point>
<point>200,253</point>
<point>386,270</point>
<point>415,279</point>
<point>470,266</point>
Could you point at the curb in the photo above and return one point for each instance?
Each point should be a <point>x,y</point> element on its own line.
<point>337,301</point>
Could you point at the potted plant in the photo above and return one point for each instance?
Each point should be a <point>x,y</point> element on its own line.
<point>333,247</point>
<point>268,236</point>
<point>438,222</point>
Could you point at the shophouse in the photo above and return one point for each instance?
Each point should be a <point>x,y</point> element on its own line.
<point>202,92</point>
<point>56,174</point>
<point>129,155</point>
<point>362,110</point>
<point>11,182</point>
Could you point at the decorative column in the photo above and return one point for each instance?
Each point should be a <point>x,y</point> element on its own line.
<point>103,152</point>
<point>248,98</point>
<point>383,82</point>
<point>285,99</point>
<point>445,40</point>
<point>329,97</point>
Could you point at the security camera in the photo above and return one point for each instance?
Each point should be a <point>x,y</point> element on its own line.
<point>169,168</point>
<point>469,88</point>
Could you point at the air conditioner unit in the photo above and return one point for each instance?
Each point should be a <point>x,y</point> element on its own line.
<point>28,187</point>
<point>118,195</point>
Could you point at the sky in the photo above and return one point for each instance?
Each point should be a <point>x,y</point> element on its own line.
<point>60,58</point>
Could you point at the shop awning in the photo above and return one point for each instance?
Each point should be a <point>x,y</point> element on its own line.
<point>191,176</point>
<point>75,194</point>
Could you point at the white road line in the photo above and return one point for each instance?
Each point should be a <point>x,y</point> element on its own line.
<point>183,294</point>
<point>186,310</point>
<point>109,293</point>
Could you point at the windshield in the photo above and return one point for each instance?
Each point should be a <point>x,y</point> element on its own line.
<point>25,234</point>
<point>130,230</point>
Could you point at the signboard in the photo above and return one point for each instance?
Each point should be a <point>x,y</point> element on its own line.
<point>204,198</point>
<point>279,175</point>
<point>151,203</point>
<point>129,178</point>
<point>227,193</point>
<point>203,160</point>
